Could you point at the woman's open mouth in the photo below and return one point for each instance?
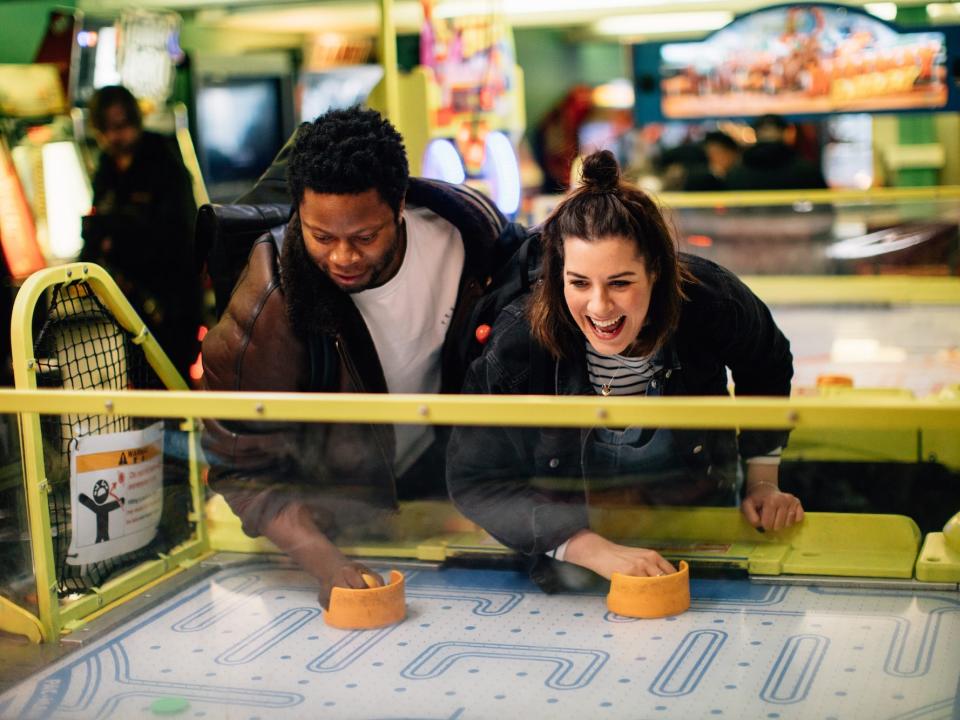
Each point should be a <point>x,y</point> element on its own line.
<point>607,329</point>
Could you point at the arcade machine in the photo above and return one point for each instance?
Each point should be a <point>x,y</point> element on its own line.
<point>813,61</point>
<point>139,50</point>
<point>244,114</point>
<point>827,66</point>
<point>842,616</point>
<point>335,75</point>
<point>40,146</point>
<point>462,113</point>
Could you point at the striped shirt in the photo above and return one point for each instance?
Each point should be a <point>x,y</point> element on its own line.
<point>630,376</point>
<point>623,375</point>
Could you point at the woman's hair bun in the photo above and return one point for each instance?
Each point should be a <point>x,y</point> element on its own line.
<point>601,172</point>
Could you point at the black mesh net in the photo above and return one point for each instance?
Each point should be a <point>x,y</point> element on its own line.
<point>80,346</point>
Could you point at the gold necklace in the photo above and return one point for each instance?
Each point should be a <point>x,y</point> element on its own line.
<point>607,387</point>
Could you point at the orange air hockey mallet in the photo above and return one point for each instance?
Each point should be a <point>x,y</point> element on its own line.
<point>369,607</point>
<point>650,597</point>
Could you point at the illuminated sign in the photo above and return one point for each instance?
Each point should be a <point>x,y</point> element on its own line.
<point>803,59</point>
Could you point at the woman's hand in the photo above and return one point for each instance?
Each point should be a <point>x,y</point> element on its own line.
<point>765,506</point>
<point>603,557</point>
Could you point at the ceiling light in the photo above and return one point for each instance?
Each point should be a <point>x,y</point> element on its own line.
<point>461,8</point>
<point>882,10</point>
<point>939,11</point>
<point>661,24</point>
<point>616,94</point>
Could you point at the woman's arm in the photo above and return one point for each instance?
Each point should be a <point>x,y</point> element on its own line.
<point>758,355</point>
<point>490,478</point>
<point>491,470</point>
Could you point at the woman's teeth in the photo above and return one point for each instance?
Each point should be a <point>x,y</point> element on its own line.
<point>607,327</point>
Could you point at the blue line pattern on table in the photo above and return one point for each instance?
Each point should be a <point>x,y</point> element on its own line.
<point>250,642</point>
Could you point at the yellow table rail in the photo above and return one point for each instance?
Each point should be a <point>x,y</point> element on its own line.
<point>871,412</point>
<point>769,198</point>
<point>854,289</point>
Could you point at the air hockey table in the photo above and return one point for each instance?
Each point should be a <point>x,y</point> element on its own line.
<point>242,636</point>
<point>907,347</point>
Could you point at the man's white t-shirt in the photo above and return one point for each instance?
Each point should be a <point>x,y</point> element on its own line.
<point>408,318</point>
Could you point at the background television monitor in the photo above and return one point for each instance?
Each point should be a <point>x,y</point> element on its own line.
<point>241,124</point>
<point>336,89</point>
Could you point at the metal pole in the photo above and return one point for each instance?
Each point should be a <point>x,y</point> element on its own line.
<point>388,59</point>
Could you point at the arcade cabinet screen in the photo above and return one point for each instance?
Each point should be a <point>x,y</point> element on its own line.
<point>96,64</point>
<point>239,131</point>
<point>338,88</point>
<point>803,59</point>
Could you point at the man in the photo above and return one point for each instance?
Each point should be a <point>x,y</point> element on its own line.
<point>371,291</point>
<point>141,225</point>
<point>723,154</point>
<point>773,163</point>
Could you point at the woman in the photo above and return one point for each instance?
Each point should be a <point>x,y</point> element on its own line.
<point>619,312</point>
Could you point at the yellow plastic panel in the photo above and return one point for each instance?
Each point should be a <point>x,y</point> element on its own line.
<point>942,445</point>
<point>17,621</point>
<point>856,545</point>
<point>938,562</point>
<point>851,445</point>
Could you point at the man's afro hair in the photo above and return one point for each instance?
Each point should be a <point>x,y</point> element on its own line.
<point>345,152</point>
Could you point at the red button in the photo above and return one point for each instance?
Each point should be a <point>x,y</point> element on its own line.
<point>482,334</point>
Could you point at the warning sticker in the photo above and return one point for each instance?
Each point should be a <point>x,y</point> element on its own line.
<point>116,488</point>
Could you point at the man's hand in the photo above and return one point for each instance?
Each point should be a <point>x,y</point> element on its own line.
<point>596,553</point>
<point>295,533</point>
<point>349,574</point>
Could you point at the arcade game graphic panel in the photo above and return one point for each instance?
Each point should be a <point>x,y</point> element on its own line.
<point>463,105</point>
<point>802,60</point>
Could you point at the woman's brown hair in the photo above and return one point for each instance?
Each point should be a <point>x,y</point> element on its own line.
<point>602,207</point>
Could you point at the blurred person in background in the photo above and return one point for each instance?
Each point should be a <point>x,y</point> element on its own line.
<point>774,163</point>
<point>723,154</point>
<point>142,222</point>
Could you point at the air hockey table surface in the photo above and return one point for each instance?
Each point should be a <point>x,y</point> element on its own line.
<point>914,348</point>
<point>245,638</point>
